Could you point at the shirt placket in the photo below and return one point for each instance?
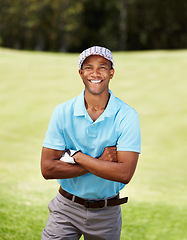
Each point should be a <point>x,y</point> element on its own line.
<point>91,130</point>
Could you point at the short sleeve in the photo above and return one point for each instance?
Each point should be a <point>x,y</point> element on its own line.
<point>129,132</point>
<point>54,138</point>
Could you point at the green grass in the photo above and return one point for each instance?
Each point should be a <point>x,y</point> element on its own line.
<point>153,82</point>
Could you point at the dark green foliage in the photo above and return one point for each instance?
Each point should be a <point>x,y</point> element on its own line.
<point>70,25</point>
<point>157,24</point>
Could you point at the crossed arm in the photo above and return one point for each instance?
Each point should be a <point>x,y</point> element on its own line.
<point>113,165</point>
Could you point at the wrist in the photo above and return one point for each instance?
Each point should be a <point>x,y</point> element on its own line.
<point>77,156</point>
<point>73,155</point>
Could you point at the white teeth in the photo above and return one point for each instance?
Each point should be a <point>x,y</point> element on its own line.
<point>96,81</point>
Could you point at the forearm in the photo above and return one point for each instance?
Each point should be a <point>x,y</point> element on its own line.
<point>61,170</point>
<point>53,168</point>
<point>109,170</point>
<point>112,165</point>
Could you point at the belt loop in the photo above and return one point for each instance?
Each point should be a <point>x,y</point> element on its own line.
<point>73,198</point>
<point>105,202</point>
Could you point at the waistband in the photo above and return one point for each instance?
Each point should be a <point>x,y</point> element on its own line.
<point>100,203</point>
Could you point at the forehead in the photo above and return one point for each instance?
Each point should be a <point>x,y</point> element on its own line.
<point>96,59</point>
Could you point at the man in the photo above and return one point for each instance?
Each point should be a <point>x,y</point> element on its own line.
<point>92,147</point>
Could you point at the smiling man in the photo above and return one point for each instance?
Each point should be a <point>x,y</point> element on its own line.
<point>92,147</point>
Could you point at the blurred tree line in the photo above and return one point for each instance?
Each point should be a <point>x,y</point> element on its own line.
<point>71,25</point>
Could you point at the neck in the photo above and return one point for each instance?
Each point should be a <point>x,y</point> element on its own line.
<point>96,102</point>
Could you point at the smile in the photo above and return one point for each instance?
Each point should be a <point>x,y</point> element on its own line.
<point>95,81</point>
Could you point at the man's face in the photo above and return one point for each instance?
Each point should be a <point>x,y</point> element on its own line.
<point>96,73</point>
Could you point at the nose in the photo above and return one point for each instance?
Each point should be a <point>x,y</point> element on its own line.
<point>95,72</point>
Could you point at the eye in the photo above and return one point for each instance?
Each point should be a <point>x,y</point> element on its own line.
<point>87,68</point>
<point>103,67</point>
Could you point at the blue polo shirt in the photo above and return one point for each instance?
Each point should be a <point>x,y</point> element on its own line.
<point>71,127</point>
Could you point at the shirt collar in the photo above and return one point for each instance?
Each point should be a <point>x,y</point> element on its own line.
<point>111,109</point>
<point>79,106</point>
<point>112,106</point>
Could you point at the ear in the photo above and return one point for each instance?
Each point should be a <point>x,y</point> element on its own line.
<point>80,72</point>
<point>111,73</point>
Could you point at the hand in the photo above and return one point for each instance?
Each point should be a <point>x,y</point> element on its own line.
<point>71,152</point>
<point>68,156</point>
<point>109,154</point>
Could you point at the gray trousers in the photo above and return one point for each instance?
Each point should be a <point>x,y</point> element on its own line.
<point>69,221</point>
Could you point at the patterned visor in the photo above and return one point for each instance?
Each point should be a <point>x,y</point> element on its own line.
<point>96,50</point>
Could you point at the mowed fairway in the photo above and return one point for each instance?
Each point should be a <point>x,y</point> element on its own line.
<point>153,82</point>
